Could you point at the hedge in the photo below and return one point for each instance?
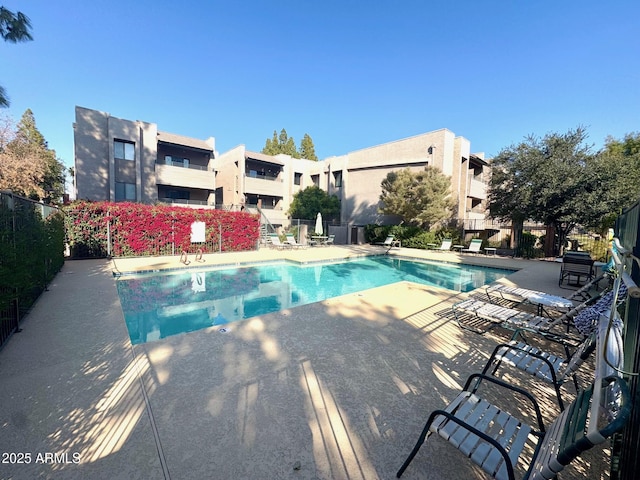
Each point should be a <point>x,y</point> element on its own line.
<point>137,229</point>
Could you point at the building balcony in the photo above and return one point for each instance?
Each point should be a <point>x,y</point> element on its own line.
<point>179,176</point>
<point>263,186</point>
<point>477,189</point>
<point>180,202</point>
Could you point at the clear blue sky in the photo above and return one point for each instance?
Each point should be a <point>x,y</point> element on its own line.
<point>351,74</point>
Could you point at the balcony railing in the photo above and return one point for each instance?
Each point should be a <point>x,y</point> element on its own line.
<point>260,176</point>
<point>182,201</point>
<point>182,165</point>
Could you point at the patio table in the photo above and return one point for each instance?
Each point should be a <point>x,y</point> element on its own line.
<point>319,239</point>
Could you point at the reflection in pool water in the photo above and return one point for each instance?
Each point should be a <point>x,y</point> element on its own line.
<point>163,304</point>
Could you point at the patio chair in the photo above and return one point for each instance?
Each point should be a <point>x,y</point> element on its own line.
<point>474,246</point>
<point>330,240</point>
<point>494,439</point>
<point>291,240</point>
<point>485,316</point>
<point>275,242</point>
<point>389,242</point>
<point>545,366</point>
<point>445,246</point>
<point>586,291</point>
<point>578,265</point>
<point>506,293</point>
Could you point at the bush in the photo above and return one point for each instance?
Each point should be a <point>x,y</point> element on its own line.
<point>138,230</point>
<point>421,240</point>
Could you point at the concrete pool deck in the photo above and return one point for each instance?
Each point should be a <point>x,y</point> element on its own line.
<point>338,389</point>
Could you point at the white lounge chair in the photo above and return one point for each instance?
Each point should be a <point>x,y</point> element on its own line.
<point>491,315</point>
<point>390,242</point>
<point>543,365</point>
<point>291,240</point>
<point>274,239</point>
<point>445,246</point>
<point>492,437</point>
<point>498,441</point>
<point>474,246</point>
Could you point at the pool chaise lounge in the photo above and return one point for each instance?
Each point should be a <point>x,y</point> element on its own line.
<point>275,242</point>
<point>543,365</point>
<point>291,240</point>
<point>474,246</point>
<point>479,317</point>
<point>390,242</point>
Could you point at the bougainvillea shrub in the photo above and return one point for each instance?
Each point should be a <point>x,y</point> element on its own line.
<point>136,229</point>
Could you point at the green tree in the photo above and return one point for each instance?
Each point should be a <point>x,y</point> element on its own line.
<point>283,143</point>
<point>28,167</point>
<point>419,198</point>
<point>272,146</point>
<point>308,202</point>
<point>14,28</point>
<point>307,149</point>
<point>558,181</point>
<point>612,182</point>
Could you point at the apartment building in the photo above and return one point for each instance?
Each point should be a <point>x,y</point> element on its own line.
<point>120,160</point>
<point>125,160</point>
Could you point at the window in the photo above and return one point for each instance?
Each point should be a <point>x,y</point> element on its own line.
<point>176,161</point>
<point>125,191</point>
<point>316,180</point>
<point>337,178</point>
<point>124,150</point>
<point>297,178</point>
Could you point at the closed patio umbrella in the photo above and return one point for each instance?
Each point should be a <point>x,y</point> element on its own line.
<point>318,228</point>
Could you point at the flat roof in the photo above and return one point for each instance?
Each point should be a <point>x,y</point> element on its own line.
<point>184,141</point>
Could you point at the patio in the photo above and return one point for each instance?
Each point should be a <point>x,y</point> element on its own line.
<point>338,389</point>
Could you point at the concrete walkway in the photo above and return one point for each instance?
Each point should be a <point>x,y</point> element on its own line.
<point>338,389</point>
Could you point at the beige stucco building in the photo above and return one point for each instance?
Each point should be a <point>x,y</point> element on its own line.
<point>118,159</point>
<point>125,160</point>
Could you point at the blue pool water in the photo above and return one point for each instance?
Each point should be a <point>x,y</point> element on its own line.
<point>162,304</point>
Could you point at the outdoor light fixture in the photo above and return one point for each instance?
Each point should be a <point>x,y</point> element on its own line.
<point>430,150</point>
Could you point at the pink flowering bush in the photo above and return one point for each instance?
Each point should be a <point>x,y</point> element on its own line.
<point>136,229</point>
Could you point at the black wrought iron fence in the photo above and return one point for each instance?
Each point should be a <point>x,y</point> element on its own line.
<point>31,253</point>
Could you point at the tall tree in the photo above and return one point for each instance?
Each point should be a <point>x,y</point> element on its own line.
<point>307,149</point>
<point>283,143</point>
<point>612,182</point>
<point>559,181</point>
<point>308,202</point>
<point>14,28</point>
<point>419,198</point>
<point>27,165</point>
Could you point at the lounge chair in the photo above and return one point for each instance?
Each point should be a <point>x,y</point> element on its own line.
<point>390,242</point>
<point>275,242</point>
<point>291,240</point>
<point>485,316</point>
<point>474,246</point>
<point>519,295</point>
<point>586,291</point>
<point>578,265</point>
<point>545,366</point>
<point>568,308</point>
<point>494,439</point>
<point>445,246</point>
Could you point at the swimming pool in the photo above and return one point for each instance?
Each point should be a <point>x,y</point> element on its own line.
<point>163,304</point>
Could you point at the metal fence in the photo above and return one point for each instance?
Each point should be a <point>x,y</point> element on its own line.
<point>31,253</point>
<point>626,462</point>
